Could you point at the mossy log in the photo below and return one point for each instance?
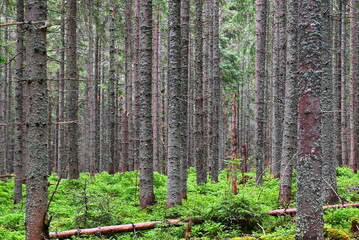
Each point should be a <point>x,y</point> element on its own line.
<point>292,211</point>
<point>119,228</point>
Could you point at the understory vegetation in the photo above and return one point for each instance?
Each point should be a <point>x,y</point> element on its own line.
<point>105,200</point>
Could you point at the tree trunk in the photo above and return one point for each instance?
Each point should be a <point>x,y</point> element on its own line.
<point>19,132</point>
<point>327,100</point>
<point>185,11</point>
<point>261,28</point>
<point>147,197</point>
<point>309,167</point>
<point>216,94</point>
<point>343,121</point>
<point>353,75</point>
<point>36,119</point>
<point>199,121</point>
<point>175,140</point>
<point>73,87</point>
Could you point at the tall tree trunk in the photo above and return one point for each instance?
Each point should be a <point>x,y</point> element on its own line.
<point>111,95</point>
<point>353,74</point>
<point>155,93</point>
<point>73,87</point>
<point>279,83</point>
<point>343,121</point>
<point>19,132</point>
<point>327,106</point>
<point>185,7</point>
<point>127,141</point>
<point>216,94</point>
<point>175,140</point>
<point>309,167</point>
<point>289,149</point>
<point>199,121</point>
<point>261,28</point>
<point>147,197</point>
<point>36,122</point>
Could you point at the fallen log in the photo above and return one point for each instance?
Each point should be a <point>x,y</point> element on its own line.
<point>118,228</point>
<point>291,211</point>
<point>7,176</point>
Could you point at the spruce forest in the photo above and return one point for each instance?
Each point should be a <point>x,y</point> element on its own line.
<point>179,119</point>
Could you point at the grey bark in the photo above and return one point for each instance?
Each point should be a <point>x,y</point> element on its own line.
<point>19,132</point>
<point>36,121</point>
<point>175,140</point>
<point>344,127</point>
<point>199,121</point>
<point>73,87</point>
<point>216,94</point>
<point>289,149</point>
<point>309,166</point>
<point>327,106</point>
<point>260,73</point>
<point>147,197</point>
<point>184,97</point>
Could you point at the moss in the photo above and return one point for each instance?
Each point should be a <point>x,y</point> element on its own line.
<point>335,234</point>
<point>290,237</point>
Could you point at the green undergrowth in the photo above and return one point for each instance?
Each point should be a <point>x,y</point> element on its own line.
<point>105,200</point>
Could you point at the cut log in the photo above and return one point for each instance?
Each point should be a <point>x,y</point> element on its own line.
<point>7,176</point>
<point>118,228</point>
<point>292,211</point>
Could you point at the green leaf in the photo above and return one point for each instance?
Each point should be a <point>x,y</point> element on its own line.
<point>2,60</point>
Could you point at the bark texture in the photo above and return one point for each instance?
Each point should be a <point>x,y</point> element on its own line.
<point>309,166</point>
<point>36,122</point>
<point>147,197</point>
<point>73,87</point>
<point>175,142</point>
<point>260,73</point>
<point>289,149</point>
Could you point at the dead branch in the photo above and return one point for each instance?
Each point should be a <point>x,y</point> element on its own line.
<point>7,176</point>
<point>292,211</point>
<point>118,228</point>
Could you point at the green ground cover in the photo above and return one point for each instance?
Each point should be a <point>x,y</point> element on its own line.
<point>106,199</point>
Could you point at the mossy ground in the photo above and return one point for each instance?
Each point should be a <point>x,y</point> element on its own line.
<point>106,199</point>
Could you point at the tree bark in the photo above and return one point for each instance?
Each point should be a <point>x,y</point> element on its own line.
<point>289,155</point>
<point>73,87</point>
<point>19,132</point>
<point>309,167</point>
<point>36,119</point>
<point>175,141</point>
<point>147,197</point>
<point>343,121</point>
<point>260,72</point>
<point>199,121</point>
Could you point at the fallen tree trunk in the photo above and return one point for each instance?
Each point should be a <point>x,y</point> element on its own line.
<point>7,176</point>
<point>290,211</point>
<point>118,228</point>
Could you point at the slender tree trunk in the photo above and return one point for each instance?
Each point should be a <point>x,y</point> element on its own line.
<point>36,122</point>
<point>353,74</point>
<point>185,7</point>
<point>289,157</point>
<point>147,197</point>
<point>127,156</point>
<point>343,49</point>
<point>175,140</point>
<point>327,106</point>
<point>261,26</point>
<point>216,94</point>
<point>199,121</point>
<point>73,87</point>
<point>309,167</point>
<point>111,94</point>
<point>19,132</point>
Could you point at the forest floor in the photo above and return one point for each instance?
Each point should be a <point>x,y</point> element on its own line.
<point>105,200</point>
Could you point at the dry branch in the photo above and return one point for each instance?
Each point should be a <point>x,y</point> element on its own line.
<point>7,176</point>
<point>118,228</point>
<point>291,211</point>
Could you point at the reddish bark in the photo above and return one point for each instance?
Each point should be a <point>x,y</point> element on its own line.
<point>279,212</point>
